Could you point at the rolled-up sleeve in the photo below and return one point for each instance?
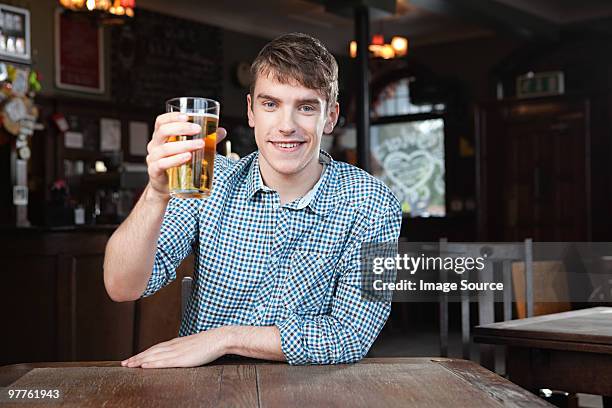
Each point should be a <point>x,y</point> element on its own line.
<point>347,333</point>
<point>178,234</point>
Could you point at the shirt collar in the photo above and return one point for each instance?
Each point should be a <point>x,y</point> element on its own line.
<point>254,181</point>
<point>320,199</point>
<point>310,195</point>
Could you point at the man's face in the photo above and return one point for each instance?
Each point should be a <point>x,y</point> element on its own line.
<point>289,121</point>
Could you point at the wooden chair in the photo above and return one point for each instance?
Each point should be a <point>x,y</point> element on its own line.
<point>499,256</point>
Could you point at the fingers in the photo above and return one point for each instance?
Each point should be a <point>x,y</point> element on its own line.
<point>149,358</point>
<point>221,133</point>
<point>151,351</point>
<point>175,123</point>
<point>170,360</point>
<point>158,153</point>
<point>162,155</point>
<point>172,148</point>
<point>159,167</point>
<point>173,129</point>
<point>169,118</point>
<point>177,354</point>
<point>143,353</point>
<point>156,358</point>
<point>148,355</point>
<point>188,351</point>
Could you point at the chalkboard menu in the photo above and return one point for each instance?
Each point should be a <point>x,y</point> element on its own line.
<point>156,57</point>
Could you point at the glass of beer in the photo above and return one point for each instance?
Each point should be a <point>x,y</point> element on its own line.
<point>194,178</point>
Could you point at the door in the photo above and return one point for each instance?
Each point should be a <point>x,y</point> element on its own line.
<point>534,179</point>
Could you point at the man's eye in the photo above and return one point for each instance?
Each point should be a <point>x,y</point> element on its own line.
<point>269,105</point>
<point>307,108</point>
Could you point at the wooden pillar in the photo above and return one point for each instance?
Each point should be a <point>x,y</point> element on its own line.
<point>362,36</point>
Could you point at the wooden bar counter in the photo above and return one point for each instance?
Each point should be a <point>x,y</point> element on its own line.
<point>54,306</point>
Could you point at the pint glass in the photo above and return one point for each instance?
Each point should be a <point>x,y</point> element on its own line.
<point>194,178</point>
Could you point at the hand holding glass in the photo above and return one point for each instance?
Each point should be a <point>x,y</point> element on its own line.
<point>194,178</point>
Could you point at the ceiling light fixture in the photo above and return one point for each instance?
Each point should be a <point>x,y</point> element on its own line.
<point>109,11</point>
<point>379,49</point>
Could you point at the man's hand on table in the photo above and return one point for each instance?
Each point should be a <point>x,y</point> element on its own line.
<point>207,346</point>
<point>188,351</point>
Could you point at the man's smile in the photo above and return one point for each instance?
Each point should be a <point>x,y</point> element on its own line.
<point>288,146</point>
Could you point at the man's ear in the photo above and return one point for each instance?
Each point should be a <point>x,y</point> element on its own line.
<point>250,111</point>
<point>332,118</point>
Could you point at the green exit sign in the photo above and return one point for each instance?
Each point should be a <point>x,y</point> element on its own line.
<point>540,84</point>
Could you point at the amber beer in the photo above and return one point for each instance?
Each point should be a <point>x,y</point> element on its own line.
<point>194,178</point>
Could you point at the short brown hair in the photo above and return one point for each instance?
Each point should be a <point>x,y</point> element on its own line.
<point>301,58</point>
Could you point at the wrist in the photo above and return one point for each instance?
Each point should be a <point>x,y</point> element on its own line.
<point>153,196</point>
<point>229,339</point>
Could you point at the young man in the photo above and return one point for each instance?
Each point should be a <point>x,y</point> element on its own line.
<point>277,244</point>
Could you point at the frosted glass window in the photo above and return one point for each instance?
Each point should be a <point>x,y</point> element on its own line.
<point>409,158</point>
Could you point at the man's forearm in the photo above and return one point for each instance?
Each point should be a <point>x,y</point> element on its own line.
<point>130,251</point>
<point>261,342</point>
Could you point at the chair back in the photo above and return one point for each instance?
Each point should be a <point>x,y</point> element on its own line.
<point>499,258</point>
<point>186,287</point>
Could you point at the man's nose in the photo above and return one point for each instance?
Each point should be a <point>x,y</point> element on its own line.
<point>287,124</point>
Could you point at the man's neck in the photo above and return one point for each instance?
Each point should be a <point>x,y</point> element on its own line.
<point>294,186</point>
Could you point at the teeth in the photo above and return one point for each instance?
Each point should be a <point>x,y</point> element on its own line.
<point>287,145</point>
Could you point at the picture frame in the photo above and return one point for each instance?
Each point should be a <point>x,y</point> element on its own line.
<point>79,54</point>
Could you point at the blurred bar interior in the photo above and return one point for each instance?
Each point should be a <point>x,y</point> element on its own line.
<point>490,121</point>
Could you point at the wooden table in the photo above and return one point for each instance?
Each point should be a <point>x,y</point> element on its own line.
<point>569,351</point>
<point>380,382</point>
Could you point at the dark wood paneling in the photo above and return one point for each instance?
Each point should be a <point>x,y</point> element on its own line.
<point>104,329</point>
<point>27,309</point>
<point>159,316</point>
<point>535,170</point>
<point>53,300</point>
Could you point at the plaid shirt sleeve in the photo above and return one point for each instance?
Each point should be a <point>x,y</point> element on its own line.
<point>177,236</point>
<point>347,333</point>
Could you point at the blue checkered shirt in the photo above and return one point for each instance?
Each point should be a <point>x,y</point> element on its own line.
<point>294,265</point>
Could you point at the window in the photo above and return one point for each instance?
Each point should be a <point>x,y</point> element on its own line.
<point>408,156</point>
<point>394,100</point>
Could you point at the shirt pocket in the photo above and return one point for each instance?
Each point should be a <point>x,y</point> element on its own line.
<point>310,278</point>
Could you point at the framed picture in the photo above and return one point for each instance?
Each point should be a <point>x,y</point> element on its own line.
<point>139,138</point>
<point>79,54</point>
<point>14,34</point>
<point>110,135</point>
